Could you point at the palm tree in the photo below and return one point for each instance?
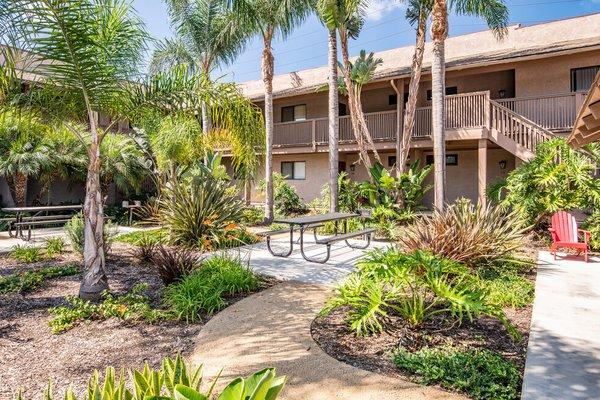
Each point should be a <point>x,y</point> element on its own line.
<point>88,48</point>
<point>495,14</point>
<point>269,18</point>
<point>323,10</point>
<point>209,35</point>
<point>124,163</point>
<point>22,151</point>
<point>417,13</point>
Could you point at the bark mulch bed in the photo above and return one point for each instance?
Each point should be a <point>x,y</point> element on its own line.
<point>30,354</point>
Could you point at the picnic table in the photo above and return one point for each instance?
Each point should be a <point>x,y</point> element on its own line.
<point>313,222</point>
<point>23,219</point>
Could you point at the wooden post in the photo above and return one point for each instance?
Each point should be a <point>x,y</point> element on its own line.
<point>313,127</point>
<point>482,171</point>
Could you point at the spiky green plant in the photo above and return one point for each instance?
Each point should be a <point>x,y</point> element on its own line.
<point>466,233</point>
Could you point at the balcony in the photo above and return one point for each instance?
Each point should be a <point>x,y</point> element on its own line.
<point>463,111</point>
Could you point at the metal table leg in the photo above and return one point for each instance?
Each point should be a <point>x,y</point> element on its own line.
<point>322,261</point>
<point>284,254</point>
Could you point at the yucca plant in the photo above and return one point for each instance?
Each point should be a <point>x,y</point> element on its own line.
<point>466,233</point>
<point>174,380</point>
<point>201,212</point>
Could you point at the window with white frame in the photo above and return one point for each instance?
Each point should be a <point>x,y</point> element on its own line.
<point>293,169</point>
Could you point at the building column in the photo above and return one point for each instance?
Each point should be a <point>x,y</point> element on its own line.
<point>482,171</point>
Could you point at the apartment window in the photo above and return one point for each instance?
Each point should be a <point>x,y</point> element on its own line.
<point>451,159</point>
<point>294,169</point>
<point>449,91</point>
<point>392,99</point>
<point>342,166</point>
<point>343,110</point>
<point>293,113</point>
<point>391,161</point>
<point>582,78</point>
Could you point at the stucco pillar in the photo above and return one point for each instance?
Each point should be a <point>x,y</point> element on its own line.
<point>482,170</point>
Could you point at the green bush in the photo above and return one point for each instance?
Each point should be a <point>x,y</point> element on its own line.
<point>285,197</point>
<point>31,280</point>
<point>204,290</point>
<point>74,229</point>
<point>481,374</point>
<point>506,288</point>
<point>417,286</point>
<point>544,186</point>
<point>27,254</point>
<point>592,224</point>
<point>174,380</point>
<point>54,246</point>
<point>253,216</point>
<point>201,212</point>
<point>134,305</point>
<point>155,236</point>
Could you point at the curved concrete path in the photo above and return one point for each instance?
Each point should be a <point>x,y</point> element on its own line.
<point>272,328</point>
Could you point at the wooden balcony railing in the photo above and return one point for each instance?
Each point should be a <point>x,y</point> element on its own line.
<point>556,112</point>
<point>463,111</point>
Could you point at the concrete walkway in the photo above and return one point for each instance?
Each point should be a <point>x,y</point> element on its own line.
<point>272,328</point>
<point>563,357</point>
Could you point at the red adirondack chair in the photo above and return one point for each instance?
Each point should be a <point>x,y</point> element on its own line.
<point>566,234</point>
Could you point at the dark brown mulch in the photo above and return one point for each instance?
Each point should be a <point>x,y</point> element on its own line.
<point>375,353</point>
<point>30,354</point>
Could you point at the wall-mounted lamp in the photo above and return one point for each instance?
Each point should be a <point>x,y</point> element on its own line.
<point>352,167</point>
<point>502,164</point>
<point>502,93</point>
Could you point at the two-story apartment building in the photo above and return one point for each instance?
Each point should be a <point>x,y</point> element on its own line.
<point>503,97</point>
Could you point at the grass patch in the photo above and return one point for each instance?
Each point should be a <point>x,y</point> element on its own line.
<point>481,374</point>
<point>507,289</point>
<point>27,254</point>
<point>204,291</point>
<point>31,280</point>
<point>54,246</point>
<point>136,238</point>
<point>134,305</point>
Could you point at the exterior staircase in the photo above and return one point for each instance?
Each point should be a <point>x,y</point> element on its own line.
<point>515,133</point>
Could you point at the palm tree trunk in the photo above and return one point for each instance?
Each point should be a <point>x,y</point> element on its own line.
<point>267,76</point>
<point>19,182</point>
<point>94,279</point>
<point>413,91</point>
<point>356,128</point>
<point>439,32</point>
<point>334,127</point>
<point>247,191</point>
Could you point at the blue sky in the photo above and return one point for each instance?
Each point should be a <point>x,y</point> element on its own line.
<point>385,28</point>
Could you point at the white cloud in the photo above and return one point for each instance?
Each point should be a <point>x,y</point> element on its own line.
<point>377,9</point>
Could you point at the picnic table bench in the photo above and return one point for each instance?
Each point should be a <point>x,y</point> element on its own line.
<point>313,222</point>
<point>24,221</point>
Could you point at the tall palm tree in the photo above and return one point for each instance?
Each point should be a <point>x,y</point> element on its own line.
<point>324,8</point>
<point>208,35</point>
<point>495,14</point>
<point>88,47</point>
<point>270,18</point>
<point>417,13</point>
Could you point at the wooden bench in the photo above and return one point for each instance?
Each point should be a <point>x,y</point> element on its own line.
<point>32,223</point>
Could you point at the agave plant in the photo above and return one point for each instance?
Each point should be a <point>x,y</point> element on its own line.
<point>466,233</point>
<point>200,212</point>
<point>173,381</point>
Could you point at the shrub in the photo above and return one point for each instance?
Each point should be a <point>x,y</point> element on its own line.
<point>27,254</point>
<point>201,212</point>
<point>172,264</point>
<point>174,380</point>
<point>417,286</point>
<point>466,233</point>
<point>507,288</point>
<point>592,224</point>
<point>134,305</point>
<point>558,178</point>
<point>31,280</point>
<point>54,246</point>
<point>285,197</point>
<point>204,290</point>
<point>481,374</point>
<point>252,216</point>
<point>74,229</point>
<point>155,236</point>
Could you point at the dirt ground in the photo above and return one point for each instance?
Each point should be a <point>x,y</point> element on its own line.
<point>30,354</point>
